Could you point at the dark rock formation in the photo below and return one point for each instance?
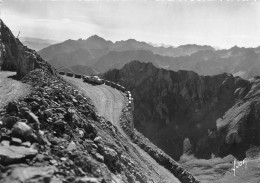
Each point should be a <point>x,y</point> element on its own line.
<point>219,114</point>
<point>16,57</point>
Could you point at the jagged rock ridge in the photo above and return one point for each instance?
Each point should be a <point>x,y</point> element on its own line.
<point>95,50</point>
<point>103,55</point>
<point>217,113</point>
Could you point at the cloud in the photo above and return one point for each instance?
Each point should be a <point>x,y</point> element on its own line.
<point>167,22</point>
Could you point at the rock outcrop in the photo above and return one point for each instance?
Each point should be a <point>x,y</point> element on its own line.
<point>219,114</point>
<point>16,57</point>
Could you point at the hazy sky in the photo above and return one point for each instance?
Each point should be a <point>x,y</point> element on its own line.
<point>215,23</point>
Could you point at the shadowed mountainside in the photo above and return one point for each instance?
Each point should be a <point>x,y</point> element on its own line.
<point>219,114</point>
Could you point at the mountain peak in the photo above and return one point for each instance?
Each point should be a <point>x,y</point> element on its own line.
<point>132,40</point>
<point>195,46</point>
<point>96,38</point>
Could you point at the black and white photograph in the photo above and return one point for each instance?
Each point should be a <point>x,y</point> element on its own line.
<point>129,91</point>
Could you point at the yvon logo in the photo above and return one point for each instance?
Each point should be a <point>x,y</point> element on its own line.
<point>238,164</point>
<point>246,163</point>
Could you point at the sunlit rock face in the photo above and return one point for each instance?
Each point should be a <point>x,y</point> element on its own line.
<point>214,112</point>
<point>16,57</point>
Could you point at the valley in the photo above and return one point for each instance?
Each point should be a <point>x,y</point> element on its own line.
<point>174,105</point>
<point>215,112</point>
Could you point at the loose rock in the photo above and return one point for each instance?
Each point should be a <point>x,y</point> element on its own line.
<point>72,146</point>
<point>16,141</point>
<point>87,180</point>
<point>23,131</point>
<point>10,121</point>
<point>10,154</point>
<point>23,173</point>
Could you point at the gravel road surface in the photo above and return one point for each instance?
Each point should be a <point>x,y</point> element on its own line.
<point>11,89</point>
<point>109,103</point>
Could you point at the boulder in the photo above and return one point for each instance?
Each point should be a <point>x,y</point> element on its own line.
<point>9,121</point>
<point>99,157</point>
<point>10,154</point>
<point>23,131</point>
<point>5,143</point>
<point>12,107</point>
<point>32,118</point>
<point>110,154</point>
<point>72,146</point>
<point>98,139</point>
<point>23,173</point>
<point>26,144</point>
<point>87,180</point>
<point>41,138</point>
<point>48,113</point>
<point>16,141</point>
<point>79,97</point>
<point>35,106</point>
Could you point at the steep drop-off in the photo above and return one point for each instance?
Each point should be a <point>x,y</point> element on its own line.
<point>219,114</point>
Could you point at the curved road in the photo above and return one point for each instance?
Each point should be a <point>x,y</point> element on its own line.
<point>109,103</point>
<point>11,89</point>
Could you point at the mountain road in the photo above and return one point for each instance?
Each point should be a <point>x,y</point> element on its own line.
<point>109,103</point>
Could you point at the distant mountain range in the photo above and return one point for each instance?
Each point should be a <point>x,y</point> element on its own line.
<point>37,43</point>
<point>102,55</point>
<point>79,69</point>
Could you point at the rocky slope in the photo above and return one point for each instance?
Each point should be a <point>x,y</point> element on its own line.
<point>219,114</point>
<point>54,134</point>
<point>17,57</point>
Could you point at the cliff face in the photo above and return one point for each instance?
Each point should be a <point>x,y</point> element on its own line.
<point>15,56</point>
<point>218,114</point>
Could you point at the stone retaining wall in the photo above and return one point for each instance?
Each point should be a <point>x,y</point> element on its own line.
<point>126,122</point>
